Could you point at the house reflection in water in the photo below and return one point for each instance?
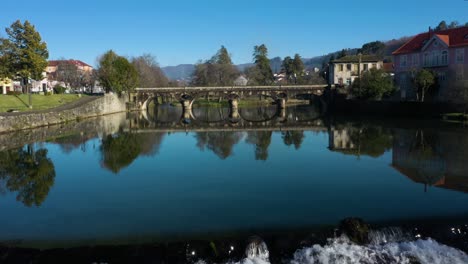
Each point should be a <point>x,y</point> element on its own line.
<point>432,158</point>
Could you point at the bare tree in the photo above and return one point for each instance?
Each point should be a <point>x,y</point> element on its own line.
<point>149,72</point>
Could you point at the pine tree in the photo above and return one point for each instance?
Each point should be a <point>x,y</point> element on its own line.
<point>264,74</point>
<point>298,66</point>
<point>24,51</point>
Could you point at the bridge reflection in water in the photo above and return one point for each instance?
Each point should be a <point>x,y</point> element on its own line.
<point>167,118</point>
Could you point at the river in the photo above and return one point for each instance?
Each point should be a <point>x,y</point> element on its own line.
<point>162,177</point>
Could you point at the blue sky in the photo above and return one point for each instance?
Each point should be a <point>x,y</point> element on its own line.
<point>185,31</point>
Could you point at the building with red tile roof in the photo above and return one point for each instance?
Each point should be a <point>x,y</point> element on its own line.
<point>81,66</point>
<point>443,52</point>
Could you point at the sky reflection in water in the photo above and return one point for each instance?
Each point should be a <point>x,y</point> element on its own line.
<point>125,179</point>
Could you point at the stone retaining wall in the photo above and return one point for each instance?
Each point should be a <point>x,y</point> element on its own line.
<point>104,105</point>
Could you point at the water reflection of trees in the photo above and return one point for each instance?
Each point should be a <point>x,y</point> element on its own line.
<point>121,149</point>
<point>28,172</point>
<point>293,138</point>
<point>261,140</point>
<point>221,143</point>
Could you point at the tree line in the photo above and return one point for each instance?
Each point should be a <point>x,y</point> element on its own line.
<point>220,70</point>
<point>24,56</point>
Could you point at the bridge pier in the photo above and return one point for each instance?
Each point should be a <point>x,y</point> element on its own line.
<point>187,105</point>
<point>281,115</point>
<point>281,102</point>
<point>234,103</point>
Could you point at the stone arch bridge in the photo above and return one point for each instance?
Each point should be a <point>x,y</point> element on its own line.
<point>187,95</point>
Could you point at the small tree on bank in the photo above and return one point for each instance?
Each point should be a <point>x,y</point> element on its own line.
<point>424,81</point>
<point>116,73</point>
<point>373,85</point>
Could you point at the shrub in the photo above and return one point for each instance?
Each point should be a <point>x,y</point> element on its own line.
<point>16,93</point>
<point>373,85</point>
<point>48,93</point>
<point>58,89</point>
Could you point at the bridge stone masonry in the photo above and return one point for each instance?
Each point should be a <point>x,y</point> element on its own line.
<point>233,94</point>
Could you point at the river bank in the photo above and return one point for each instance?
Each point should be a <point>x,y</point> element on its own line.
<point>90,106</point>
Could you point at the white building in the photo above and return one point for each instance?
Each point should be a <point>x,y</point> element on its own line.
<point>345,70</point>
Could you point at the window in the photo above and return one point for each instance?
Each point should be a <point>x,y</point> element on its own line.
<point>442,77</point>
<point>374,65</point>
<point>340,67</point>
<point>436,43</point>
<point>460,56</point>
<point>426,61</point>
<point>348,81</point>
<point>459,75</point>
<point>444,58</point>
<point>348,66</point>
<point>402,82</point>
<point>403,61</point>
<point>415,59</point>
<point>366,66</point>
<point>435,58</point>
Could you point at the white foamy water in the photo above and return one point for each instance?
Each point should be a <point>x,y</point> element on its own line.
<point>389,246</point>
<point>342,251</point>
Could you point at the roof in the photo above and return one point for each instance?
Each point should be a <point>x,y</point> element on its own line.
<point>355,58</point>
<point>455,37</point>
<point>54,63</point>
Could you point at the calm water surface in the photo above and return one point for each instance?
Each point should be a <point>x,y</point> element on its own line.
<point>160,176</point>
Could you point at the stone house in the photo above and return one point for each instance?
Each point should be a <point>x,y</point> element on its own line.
<point>443,52</point>
<point>345,70</point>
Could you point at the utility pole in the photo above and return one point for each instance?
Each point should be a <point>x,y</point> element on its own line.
<point>359,69</point>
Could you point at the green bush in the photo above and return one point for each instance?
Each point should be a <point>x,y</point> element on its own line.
<point>48,93</point>
<point>16,93</point>
<point>58,89</point>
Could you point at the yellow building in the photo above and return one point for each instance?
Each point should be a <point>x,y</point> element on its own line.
<point>6,85</point>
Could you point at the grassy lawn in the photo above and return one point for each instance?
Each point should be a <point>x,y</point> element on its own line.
<point>39,102</point>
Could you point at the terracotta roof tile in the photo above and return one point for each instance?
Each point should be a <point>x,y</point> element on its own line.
<point>53,63</point>
<point>455,37</point>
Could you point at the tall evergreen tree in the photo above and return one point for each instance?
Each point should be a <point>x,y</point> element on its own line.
<point>298,66</point>
<point>442,26</point>
<point>24,52</point>
<point>222,56</point>
<point>263,73</point>
<point>218,71</point>
<point>288,67</point>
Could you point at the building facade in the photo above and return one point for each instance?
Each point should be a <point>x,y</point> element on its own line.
<point>443,52</point>
<point>345,70</point>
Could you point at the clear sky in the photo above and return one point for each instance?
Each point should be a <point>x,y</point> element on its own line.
<point>185,31</point>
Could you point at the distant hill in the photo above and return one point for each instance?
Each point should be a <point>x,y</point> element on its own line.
<point>184,71</point>
<point>179,72</point>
